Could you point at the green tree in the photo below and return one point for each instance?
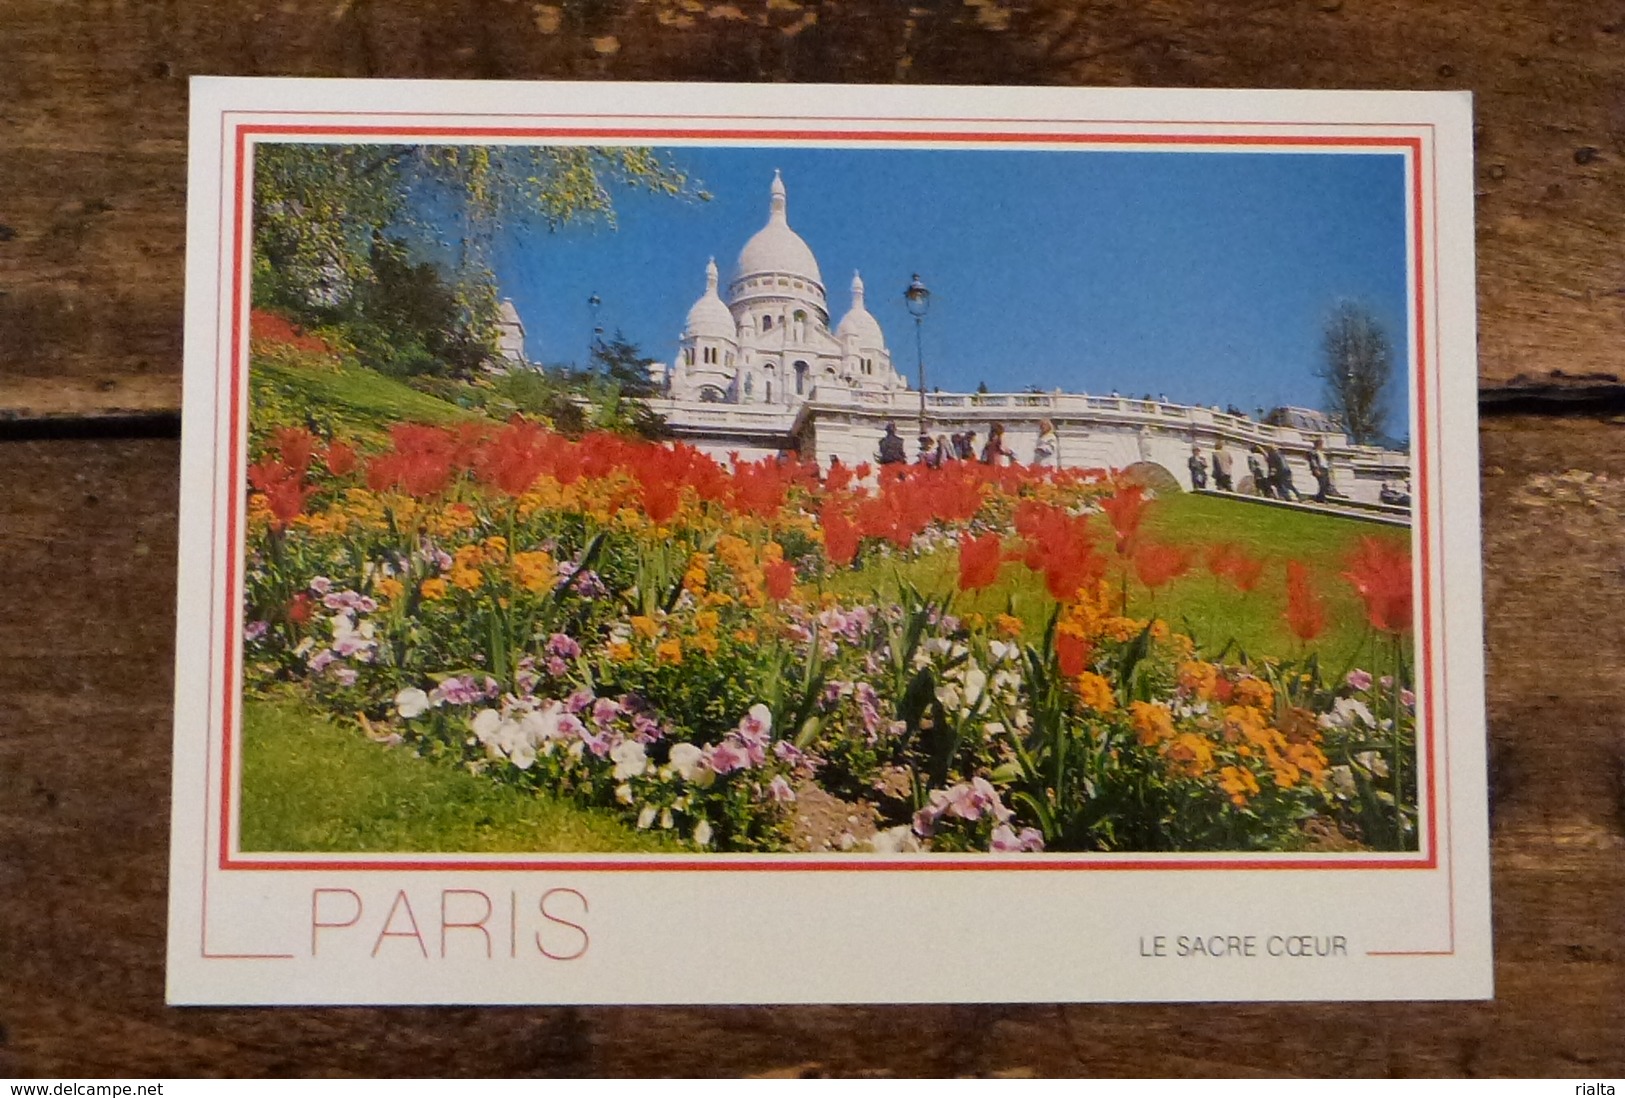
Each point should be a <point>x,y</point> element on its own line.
<point>1357,367</point>
<point>321,211</point>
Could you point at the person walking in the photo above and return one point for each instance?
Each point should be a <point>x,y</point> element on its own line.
<point>1047,450</point>
<point>1320,467</point>
<point>1280,474</point>
<point>1255,468</point>
<point>996,452</point>
<point>1198,468</point>
<point>965,445</point>
<point>1223,463</point>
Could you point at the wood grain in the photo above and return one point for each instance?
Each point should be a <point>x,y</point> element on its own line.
<point>93,116</point>
<point>87,534</point>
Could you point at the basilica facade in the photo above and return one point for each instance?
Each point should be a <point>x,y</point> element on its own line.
<point>769,342</point>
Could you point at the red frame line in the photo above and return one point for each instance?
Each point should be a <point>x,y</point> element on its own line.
<point>237,366</point>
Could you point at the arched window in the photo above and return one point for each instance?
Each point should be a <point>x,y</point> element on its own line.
<point>767,324</point>
<point>770,390</point>
<point>710,394</point>
<point>750,385</point>
<point>801,378</point>
<point>688,356</point>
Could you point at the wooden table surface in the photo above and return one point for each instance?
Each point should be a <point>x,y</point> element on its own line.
<point>92,204</point>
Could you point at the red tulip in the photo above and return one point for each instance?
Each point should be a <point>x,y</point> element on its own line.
<point>978,562</point>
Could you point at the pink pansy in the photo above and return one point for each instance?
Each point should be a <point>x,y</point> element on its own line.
<point>254,630</point>
<point>779,790</point>
<point>1359,680</point>
<point>726,757</point>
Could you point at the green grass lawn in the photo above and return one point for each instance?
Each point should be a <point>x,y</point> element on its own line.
<point>350,400</point>
<point>1209,609</point>
<point>311,785</point>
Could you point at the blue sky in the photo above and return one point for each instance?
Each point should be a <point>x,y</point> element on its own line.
<point>1205,276</point>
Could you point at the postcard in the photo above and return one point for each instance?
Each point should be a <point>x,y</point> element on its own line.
<point>732,544</point>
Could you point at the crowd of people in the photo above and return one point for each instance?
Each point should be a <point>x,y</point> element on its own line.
<point>935,451</point>
<point>1270,473</point>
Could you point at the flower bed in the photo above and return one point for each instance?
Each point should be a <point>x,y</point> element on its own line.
<point>635,626</point>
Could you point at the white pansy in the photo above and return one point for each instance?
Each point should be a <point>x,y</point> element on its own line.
<point>411,702</point>
<point>542,725</point>
<point>686,760</point>
<point>1001,651</point>
<point>485,725</point>
<point>1373,762</point>
<point>630,759</point>
<point>949,697</point>
<point>702,833</point>
<point>994,728</point>
<point>975,683</point>
<point>1343,780</point>
<point>896,840</point>
<point>1347,710</point>
<point>665,819</point>
<point>623,793</point>
<point>522,754</point>
<point>762,715</point>
<point>646,817</point>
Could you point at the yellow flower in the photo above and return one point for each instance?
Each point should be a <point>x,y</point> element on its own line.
<point>495,546</point>
<point>1191,755</point>
<point>706,620</point>
<point>1198,679</point>
<point>1121,629</point>
<point>1008,625</point>
<point>620,651</point>
<point>1152,723</point>
<point>1254,692</point>
<point>669,651</point>
<point>718,598</point>
<point>433,588</point>
<point>535,571</point>
<point>745,636</point>
<point>465,568</point>
<point>1239,783</point>
<point>1243,723</point>
<point>1095,692</point>
<point>390,587</point>
<point>705,642</point>
<point>645,627</point>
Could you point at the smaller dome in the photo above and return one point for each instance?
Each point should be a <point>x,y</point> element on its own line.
<point>709,318</point>
<point>859,322</point>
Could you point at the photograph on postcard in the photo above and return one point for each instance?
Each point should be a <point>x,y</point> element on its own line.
<point>706,499</point>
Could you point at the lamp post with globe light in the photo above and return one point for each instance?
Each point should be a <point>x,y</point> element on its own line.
<point>918,300</point>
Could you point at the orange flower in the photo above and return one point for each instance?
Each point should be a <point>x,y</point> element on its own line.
<point>1239,783</point>
<point>645,627</point>
<point>1095,692</point>
<point>1153,724</point>
<point>1191,755</point>
<point>1198,679</point>
<point>669,651</point>
<point>841,538</point>
<point>433,588</point>
<point>390,587</point>
<point>1007,625</point>
<point>1254,692</point>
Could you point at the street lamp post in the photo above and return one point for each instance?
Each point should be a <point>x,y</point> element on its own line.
<point>918,300</point>
<point>593,303</point>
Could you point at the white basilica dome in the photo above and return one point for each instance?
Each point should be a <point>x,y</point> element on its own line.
<point>709,317</point>
<point>859,321</point>
<point>776,248</point>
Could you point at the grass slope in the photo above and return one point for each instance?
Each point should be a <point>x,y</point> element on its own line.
<point>346,399</point>
<point>310,785</point>
<point>1210,609</point>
